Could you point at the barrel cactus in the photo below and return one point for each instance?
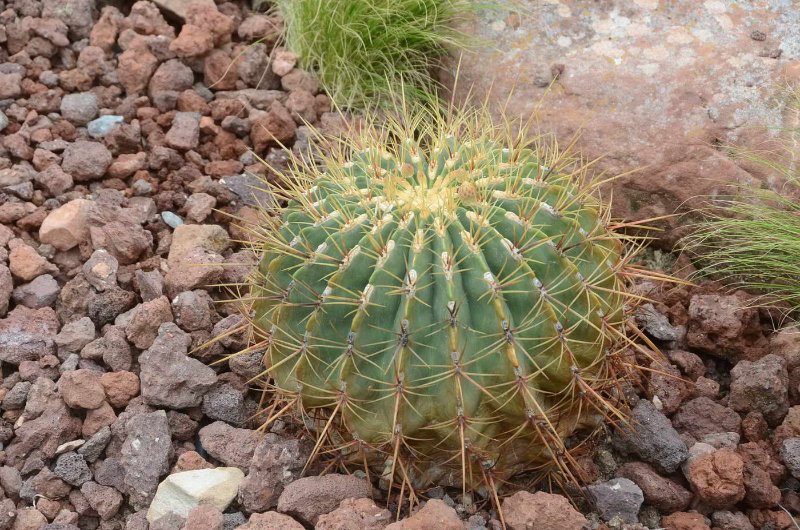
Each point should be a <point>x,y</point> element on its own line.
<point>441,304</point>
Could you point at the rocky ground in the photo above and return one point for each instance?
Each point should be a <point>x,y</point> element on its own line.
<point>127,143</point>
<point>688,76</point>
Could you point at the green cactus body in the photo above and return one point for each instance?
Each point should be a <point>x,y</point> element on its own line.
<point>451,314</point>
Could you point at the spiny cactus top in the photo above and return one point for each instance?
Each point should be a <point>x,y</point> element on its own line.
<point>445,311</point>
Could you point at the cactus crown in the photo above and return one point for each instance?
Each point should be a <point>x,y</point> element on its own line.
<point>442,301</point>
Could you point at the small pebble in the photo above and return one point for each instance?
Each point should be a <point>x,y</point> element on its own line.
<point>172,220</point>
<point>48,78</point>
<point>80,108</point>
<point>142,187</point>
<point>100,127</point>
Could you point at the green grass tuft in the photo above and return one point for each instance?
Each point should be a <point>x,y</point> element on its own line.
<point>754,242</point>
<point>752,239</point>
<point>365,51</point>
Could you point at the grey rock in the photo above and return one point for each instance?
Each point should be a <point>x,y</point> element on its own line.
<point>476,522</point>
<point>16,397</point>
<point>617,497</point>
<point>761,386</point>
<point>790,453</point>
<point>75,335</point>
<point>150,284</point>
<point>145,456</point>
<point>247,366</point>
<point>202,90</point>
<point>3,121</point>
<point>109,472</point>
<point>225,403</point>
<point>304,144</point>
<point>142,187</point>
<point>41,292</point>
<point>233,520</point>
<point>72,469</point>
<point>79,108</point>
<point>250,190</point>
<point>658,325</point>
<point>722,439</point>
<point>236,125</point>
<point>103,125</point>
<point>70,363</point>
<point>652,438</point>
<point>95,445</point>
<point>170,378</point>
<point>725,520</point>
<point>23,190</point>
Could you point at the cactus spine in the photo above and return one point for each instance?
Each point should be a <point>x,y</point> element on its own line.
<point>444,304</point>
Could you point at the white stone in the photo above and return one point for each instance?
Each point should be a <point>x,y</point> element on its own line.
<point>69,446</point>
<point>180,492</point>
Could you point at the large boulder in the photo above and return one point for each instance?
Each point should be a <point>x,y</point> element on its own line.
<point>650,85</point>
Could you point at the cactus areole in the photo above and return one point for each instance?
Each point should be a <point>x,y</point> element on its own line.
<point>447,313</point>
